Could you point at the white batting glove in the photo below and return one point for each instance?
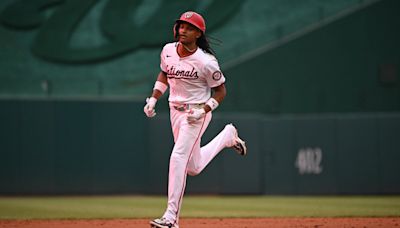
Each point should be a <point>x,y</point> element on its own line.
<point>195,114</point>
<point>149,107</point>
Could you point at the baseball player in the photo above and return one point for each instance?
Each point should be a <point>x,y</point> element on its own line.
<point>196,85</point>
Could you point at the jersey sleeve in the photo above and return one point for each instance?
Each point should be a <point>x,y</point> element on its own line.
<point>163,65</point>
<point>213,74</point>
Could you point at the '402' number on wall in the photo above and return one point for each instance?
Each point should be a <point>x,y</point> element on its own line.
<point>309,161</point>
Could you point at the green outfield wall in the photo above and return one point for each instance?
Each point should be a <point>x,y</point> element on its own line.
<point>349,65</point>
<point>104,147</point>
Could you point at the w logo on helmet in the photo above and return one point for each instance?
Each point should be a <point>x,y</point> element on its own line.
<point>188,14</point>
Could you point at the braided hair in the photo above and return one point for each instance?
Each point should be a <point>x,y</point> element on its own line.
<point>204,44</point>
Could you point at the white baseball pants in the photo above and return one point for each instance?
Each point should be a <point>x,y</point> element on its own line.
<point>188,157</point>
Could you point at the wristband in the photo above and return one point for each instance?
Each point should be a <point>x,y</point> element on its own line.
<point>160,87</point>
<point>151,100</point>
<point>212,103</point>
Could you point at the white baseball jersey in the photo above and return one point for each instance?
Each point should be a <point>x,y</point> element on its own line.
<point>190,78</point>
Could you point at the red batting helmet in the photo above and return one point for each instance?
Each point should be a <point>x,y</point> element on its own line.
<point>194,19</point>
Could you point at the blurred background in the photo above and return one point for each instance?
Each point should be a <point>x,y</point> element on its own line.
<point>313,87</point>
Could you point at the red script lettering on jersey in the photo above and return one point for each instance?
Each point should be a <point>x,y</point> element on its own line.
<point>172,72</point>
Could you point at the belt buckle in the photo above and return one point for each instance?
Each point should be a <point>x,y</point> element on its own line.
<point>181,108</point>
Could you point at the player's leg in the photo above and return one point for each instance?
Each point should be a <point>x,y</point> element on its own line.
<point>228,137</point>
<point>186,142</point>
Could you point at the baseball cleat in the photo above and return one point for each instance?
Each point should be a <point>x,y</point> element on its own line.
<point>240,145</point>
<point>162,223</point>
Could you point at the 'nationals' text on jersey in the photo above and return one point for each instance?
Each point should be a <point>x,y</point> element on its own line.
<point>190,78</point>
<point>174,73</point>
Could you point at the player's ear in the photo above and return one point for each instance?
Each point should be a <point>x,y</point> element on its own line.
<point>176,30</point>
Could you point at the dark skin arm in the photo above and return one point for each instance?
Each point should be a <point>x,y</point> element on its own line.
<point>219,92</point>
<point>162,77</point>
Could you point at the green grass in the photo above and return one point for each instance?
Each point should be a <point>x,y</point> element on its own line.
<point>197,206</point>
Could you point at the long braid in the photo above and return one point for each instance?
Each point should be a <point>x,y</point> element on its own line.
<point>204,44</point>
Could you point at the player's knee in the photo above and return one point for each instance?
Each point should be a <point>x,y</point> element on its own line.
<point>178,157</point>
<point>193,172</point>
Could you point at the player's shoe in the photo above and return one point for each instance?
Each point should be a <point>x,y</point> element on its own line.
<point>240,145</point>
<point>162,223</point>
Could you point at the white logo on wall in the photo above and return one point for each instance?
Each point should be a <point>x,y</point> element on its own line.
<point>309,160</point>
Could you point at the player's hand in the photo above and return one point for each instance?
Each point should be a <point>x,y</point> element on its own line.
<point>195,114</point>
<point>149,107</point>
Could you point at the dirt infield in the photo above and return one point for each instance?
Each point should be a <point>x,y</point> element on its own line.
<point>212,223</point>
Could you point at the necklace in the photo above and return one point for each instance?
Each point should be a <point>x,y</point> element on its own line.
<point>188,49</point>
